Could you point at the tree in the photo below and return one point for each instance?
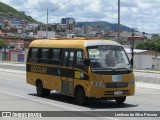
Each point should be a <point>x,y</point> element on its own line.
<point>3,43</point>
<point>50,28</point>
<point>140,45</point>
<point>155,36</point>
<point>150,45</point>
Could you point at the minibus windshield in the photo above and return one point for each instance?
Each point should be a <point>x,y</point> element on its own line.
<point>108,58</point>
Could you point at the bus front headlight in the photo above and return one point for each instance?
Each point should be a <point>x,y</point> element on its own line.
<point>101,84</point>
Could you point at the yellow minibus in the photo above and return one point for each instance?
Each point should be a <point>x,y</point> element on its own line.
<point>81,68</point>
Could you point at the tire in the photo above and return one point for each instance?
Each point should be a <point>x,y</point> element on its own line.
<point>80,96</point>
<point>42,91</point>
<point>120,100</point>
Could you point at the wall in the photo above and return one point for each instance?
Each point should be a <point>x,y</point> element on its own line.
<point>0,55</point>
<point>17,56</point>
<point>156,63</point>
<point>142,61</point>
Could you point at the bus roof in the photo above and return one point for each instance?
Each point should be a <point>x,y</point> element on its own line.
<point>71,43</point>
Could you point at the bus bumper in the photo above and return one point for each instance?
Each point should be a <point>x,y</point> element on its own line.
<point>102,92</point>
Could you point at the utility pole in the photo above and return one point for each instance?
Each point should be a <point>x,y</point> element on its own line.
<point>132,49</point>
<point>47,25</point>
<point>118,21</point>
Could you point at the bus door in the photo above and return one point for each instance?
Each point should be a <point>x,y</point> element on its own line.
<point>67,81</point>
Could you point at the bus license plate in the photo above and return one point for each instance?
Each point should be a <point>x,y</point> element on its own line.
<point>118,93</point>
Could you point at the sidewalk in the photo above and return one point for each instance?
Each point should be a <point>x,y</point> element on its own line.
<point>12,63</point>
<point>13,71</point>
<point>142,85</point>
<point>148,71</point>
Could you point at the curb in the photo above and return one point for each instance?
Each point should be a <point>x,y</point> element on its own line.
<point>13,71</point>
<point>11,62</point>
<point>147,71</point>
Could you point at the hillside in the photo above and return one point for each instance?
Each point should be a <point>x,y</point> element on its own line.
<point>103,25</point>
<point>7,11</point>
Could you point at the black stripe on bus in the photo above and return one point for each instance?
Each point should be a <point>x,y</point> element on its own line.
<point>57,71</point>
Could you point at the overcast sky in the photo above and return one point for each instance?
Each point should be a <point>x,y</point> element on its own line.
<point>144,15</point>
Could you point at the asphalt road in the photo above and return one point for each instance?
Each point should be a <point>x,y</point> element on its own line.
<point>17,95</point>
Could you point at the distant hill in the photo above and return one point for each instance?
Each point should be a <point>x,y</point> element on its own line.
<point>6,10</point>
<point>103,25</point>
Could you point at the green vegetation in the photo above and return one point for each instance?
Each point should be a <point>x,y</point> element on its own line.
<point>3,43</point>
<point>12,36</point>
<point>108,38</point>
<point>150,45</point>
<point>6,10</point>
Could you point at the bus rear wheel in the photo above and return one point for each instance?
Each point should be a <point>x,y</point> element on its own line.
<point>41,91</point>
<point>120,100</point>
<point>80,96</point>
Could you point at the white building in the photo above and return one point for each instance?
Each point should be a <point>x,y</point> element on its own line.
<point>31,26</point>
<point>144,59</point>
<point>42,34</point>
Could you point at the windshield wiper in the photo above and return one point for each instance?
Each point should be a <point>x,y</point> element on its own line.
<point>122,69</point>
<point>102,69</point>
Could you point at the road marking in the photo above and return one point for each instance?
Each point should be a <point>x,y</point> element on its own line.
<point>111,118</point>
<point>51,104</point>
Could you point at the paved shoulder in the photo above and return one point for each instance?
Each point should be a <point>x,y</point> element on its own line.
<point>12,71</point>
<point>142,85</point>
<point>13,66</point>
<point>12,63</point>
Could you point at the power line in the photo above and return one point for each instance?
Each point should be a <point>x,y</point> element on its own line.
<point>61,5</point>
<point>54,9</point>
<point>40,16</point>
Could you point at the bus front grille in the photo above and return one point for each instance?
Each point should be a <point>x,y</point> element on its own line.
<point>117,85</point>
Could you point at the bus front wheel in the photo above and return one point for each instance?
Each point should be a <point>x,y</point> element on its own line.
<point>120,100</point>
<point>80,96</point>
<point>41,91</point>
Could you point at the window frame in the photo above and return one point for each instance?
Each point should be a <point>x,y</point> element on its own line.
<point>43,60</point>
<point>30,58</point>
<point>51,55</point>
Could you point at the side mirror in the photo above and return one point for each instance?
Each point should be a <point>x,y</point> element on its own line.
<point>86,62</point>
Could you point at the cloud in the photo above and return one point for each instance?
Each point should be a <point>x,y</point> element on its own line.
<point>140,14</point>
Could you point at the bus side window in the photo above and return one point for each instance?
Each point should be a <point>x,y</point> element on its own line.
<point>43,56</point>
<point>55,56</point>
<point>71,58</point>
<point>79,58</point>
<point>65,58</point>
<point>33,55</point>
